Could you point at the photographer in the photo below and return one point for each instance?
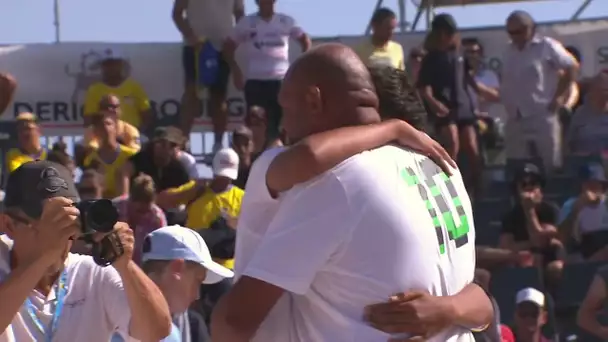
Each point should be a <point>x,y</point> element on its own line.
<point>48,293</point>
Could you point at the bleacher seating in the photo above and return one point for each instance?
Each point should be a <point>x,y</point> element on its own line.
<point>507,282</point>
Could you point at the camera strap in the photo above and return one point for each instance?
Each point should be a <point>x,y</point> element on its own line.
<point>60,293</point>
<point>106,251</point>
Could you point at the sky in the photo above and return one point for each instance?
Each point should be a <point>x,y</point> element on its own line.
<point>31,21</point>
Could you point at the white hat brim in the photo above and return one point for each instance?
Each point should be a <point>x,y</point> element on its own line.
<point>216,272</point>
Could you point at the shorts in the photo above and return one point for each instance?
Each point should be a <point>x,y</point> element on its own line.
<point>189,62</point>
<point>265,94</point>
<point>442,121</point>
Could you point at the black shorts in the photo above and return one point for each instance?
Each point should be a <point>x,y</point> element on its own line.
<point>189,63</point>
<point>265,94</point>
<point>442,121</point>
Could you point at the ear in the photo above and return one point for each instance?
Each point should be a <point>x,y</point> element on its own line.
<point>6,225</point>
<point>543,316</point>
<point>313,98</point>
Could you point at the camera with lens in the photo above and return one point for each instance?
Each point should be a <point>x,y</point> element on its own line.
<point>97,218</point>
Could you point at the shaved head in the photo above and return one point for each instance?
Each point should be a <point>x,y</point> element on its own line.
<point>326,88</point>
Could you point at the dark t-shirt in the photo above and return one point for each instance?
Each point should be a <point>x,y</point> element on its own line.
<point>445,72</point>
<point>514,222</point>
<point>172,175</point>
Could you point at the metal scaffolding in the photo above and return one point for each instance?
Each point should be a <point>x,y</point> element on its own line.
<point>427,8</point>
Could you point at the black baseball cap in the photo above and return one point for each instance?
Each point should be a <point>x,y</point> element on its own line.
<point>33,182</point>
<point>592,172</point>
<point>170,134</point>
<point>529,171</point>
<point>445,23</point>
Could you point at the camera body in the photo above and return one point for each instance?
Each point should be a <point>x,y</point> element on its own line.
<point>97,216</point>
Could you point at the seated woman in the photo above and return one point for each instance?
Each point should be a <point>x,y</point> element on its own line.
<point>588,131</point>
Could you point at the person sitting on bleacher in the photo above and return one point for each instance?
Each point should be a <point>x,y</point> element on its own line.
<point>28,140</point>
<point>585,218</point>
<point>531,222</point>
<point>588,130</point>
<point>594,304</point>
<point>530,316</point>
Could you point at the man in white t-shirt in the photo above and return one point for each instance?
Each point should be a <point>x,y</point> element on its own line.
<point>200,21</point>
<point>48,293</point>
<point>266,36</point>
<point>340,242</point>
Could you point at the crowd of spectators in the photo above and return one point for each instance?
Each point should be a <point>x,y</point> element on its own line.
<point>530,222</point>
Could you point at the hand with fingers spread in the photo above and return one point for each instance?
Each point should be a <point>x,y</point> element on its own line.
<point>420,141</point>
<point>416,313</point>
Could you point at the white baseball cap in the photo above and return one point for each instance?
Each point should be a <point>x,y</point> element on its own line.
<point>226,163</point>
<point>112,54</point>
<point>531,295</point>
<point>177,242</point>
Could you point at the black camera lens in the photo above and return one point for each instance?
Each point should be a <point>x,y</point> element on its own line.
<point>98,216</point>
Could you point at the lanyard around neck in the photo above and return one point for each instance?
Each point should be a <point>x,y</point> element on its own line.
<point>60,292</point>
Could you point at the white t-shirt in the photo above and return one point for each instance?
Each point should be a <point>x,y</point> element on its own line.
<point>266,44</point>
<point>95,304</point>
<point>212,19</point>
<point>257,211</point>
<point>360,233</point>
<point>189,163</point>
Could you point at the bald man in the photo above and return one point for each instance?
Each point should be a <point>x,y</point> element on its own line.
<point>379,223</point>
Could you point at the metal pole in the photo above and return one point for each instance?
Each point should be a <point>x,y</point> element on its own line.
<point>581,9</point>
<point>402,16</point>
<point>56,21</point>
<point>368,30</point>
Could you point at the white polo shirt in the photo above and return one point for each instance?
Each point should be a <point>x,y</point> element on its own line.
<point>95,304</point>
<point>212,19</point>
<point>360,233</point>
<point>257,211</point>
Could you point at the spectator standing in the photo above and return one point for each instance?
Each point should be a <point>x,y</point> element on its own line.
<point>28,140</point>
<point>90,186</point>
<point>265,36</point>
<point>474,54</point>
<point>134,102</point>
<point>380,49</point>
<point>189,162</point>
<point>159,159</point>
<point>594,305</point>
<point>538,73</point>
<point>90,302</point>
<point>110,157</point>
<point>140,212</point>
<point>205,23</point>
<point>588,131</point>
<point>530,316</point>
<point>444,81</point>
<point>530,225</point>
<point>584,218</point>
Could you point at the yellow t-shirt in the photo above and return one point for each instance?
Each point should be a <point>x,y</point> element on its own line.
<point>390,55</point>
<point>209,206</point>
<point>16,158</point>
<point>133,100</point>
<point>109,171</point>
<point>127,133</point>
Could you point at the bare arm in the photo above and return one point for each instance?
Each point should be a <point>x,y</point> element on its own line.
<point>539,232</point>
<point>305,42</point>
<point>471,308</point>
<point>507,241</point>
<point>178,15</point>
<point>7,91</point>
<point>17,286</point>
<point>124,178</point>
<point>320,152</point>
<point>564,84</point>
<point>239,313</point>
<point>150,317</point>
<point>172,198</point>
<point>591,306</point>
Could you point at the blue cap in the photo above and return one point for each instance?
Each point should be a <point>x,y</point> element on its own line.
<point>180,243</point>
<point>592,172</point>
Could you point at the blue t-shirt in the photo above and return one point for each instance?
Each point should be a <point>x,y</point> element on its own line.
<point>174,336</point>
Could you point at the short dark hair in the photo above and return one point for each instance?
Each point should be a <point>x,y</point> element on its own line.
<point>574,52</point>
<point>472,41</point>
<point>397,96</point>
<point>381,14</point>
